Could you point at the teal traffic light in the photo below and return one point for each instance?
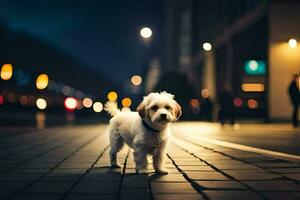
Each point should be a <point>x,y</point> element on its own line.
<point>255,67</point>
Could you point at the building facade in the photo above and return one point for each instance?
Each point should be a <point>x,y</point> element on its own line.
<point>245,56</point>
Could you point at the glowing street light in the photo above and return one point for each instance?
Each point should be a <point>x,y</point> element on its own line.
<point>98,107</point>
<point>146,32</point>
<point>126,102</point>
<point>41,103</point>
<point>87,102</point>
<point>206,46</point>
<point>6,72</point>
<point>70,103</point>
<point>42,81</point>
<point>292,43</point>
<point>136,80</point>
<point>112,96</point>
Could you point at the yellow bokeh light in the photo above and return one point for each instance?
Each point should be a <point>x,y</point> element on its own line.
<point>126,102</point>
<point>6,72</point>
<point>87,102</point>
<point>98,107</point>
<point>136,80</point>
<point>292,43</point>
<point>112,96</point>
<point>253,87</point>
<point>41,103</point>
<point>42,81</point>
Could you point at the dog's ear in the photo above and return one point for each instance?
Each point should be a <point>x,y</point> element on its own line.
<point>141,109</point>
<point>177,111</point>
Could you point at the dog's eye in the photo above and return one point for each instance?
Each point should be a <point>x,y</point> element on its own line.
<point>155,107</point>
<point>168,107</point>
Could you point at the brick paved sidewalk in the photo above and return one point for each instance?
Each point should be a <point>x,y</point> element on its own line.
<point>72,163</point>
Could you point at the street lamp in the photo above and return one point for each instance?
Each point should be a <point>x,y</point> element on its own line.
<point>146,32</point>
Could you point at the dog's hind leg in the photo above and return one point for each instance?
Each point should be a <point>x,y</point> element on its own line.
<point>116,144</point>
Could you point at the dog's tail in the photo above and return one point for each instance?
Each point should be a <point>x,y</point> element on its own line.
<point>112,108</point>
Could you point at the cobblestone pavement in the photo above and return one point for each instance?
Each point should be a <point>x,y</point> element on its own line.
<point>72,163</point>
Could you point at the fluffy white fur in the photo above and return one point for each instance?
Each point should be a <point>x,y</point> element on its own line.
<point>158,110</point>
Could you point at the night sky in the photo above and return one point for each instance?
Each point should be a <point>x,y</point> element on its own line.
<point>101,34</point>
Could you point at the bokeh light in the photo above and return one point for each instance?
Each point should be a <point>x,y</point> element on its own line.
<point>253,87</point>
<point>126,102</point>
<point>136,80</point>
<point>146,32</point>
<point>253,65</point>
<point>6,72</point>
<point>66,90</point>
<point>206,46</point>
<point>205,93</point>
<point>252,103</point>
<point>238,102</point>
<point>42,81</point>
<point>79,104</point>
<point>112,96</point>
<point>1,100</point>
<point>24,100</point>
<point>41,103</point>
<point>194,103</point>
<point>11,97</point>
<point>98,107</point>
<point>70,103</point>
<point>87,102</point>
<point>292,43</point>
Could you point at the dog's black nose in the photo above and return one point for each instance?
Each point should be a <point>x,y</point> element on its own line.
<point>163,116</point>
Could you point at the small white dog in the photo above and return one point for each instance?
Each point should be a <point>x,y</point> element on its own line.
<point>147,131</point>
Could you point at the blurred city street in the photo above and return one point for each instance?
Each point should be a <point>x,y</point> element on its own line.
<point>225,75</point>
<point>71,162</point>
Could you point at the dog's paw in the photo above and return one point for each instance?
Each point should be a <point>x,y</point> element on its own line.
<point>141,171</point>
<point>162,171</point>
<point>114,166</point>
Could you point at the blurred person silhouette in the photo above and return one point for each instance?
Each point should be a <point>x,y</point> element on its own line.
<point>294,94</point>
<point>227,111</point>
<point>206,106</point>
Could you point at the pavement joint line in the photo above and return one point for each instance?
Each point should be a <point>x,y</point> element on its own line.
<point>187,178</point>
<point>83,175</point>
<point>220,171</point>
<point>118,197</point>
<point>40,178</point>
<point>41,154</point>
<point>247,162</point>
<point>247,148</point>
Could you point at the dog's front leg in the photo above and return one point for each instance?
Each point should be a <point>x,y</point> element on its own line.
<point>140,159</point>
<point>158,158</point>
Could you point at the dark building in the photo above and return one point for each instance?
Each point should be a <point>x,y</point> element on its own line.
<point>240,33</point>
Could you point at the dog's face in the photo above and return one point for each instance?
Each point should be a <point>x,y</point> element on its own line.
<point>159,108</point>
